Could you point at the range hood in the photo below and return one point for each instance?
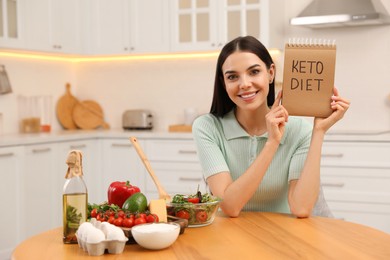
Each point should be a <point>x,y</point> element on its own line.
<point>338,13</point>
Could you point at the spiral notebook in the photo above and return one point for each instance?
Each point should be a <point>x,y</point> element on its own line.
<point>308,78</point>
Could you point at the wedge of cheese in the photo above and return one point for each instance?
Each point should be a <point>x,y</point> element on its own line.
<point>159,208</point>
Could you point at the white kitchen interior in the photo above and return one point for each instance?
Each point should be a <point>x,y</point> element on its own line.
<point>356,156</point>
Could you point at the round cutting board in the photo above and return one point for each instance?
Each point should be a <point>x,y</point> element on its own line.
<point>88,114</point>
<point>64,109</point>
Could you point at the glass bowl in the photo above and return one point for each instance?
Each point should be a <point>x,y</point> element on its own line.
<point>197,214</point>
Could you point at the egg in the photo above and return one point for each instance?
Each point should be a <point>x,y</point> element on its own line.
<point>94,235</point>
<point>115,233</point>
<point>81,230</point>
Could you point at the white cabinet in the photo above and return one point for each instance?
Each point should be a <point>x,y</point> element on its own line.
<point>39,193</point>
<point>120,162</point>
<point>10,200</point>
<point>52,25</point>
<point>10,29</point>
<point>127,26</point>
<point>176,165</point>
<point>209,24</point>
<point>356,180</point>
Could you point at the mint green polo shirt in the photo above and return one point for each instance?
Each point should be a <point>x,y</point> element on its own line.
<point>224,146</point>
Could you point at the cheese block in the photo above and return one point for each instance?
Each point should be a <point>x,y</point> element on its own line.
<point>159,208</point>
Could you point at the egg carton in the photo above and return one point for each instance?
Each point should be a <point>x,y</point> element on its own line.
<point>96,249</point>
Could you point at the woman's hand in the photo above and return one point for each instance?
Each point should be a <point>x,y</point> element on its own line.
<point>339,106</point>
<point>276,119</point>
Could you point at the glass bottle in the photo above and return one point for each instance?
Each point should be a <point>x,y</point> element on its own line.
<point>75,197</point>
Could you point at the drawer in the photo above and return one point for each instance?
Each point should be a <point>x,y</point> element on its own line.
<point>375,155</point>
<point>373,215</point>
<point>181,178</point>
<point>355,179</point>
<point>172,150</point>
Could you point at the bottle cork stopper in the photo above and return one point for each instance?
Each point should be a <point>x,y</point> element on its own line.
<point>74,162</point>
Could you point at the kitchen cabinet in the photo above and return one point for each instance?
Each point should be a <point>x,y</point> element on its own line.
<point>356,180</point>
<point>120,162</point>
<point>53,26</point>
<point>10,29</point>
<point>38,189</point>
<point>199,25</point>
<point>126,26</point>
<point>176,165</point>
<point>10,199</point>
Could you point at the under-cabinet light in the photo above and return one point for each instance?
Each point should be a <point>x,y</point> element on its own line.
<point>53,57</point>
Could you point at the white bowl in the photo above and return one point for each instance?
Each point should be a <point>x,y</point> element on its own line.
<point>155,235</point>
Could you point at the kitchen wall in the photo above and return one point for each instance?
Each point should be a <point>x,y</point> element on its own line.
<point>167,87</point>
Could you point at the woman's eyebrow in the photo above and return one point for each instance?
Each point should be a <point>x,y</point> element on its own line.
<point>251,67</point>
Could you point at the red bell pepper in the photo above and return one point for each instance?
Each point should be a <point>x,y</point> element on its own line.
<point>119,191</point>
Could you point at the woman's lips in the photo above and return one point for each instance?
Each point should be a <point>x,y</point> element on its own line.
<point>248,96</point>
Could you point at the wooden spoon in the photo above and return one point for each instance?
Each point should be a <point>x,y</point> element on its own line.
<point>161,191</point>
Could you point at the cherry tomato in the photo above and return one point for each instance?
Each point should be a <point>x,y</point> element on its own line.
<point>156,217</point>
<point>201,216</point>
<point>183,214</point>
<point>139,221</point>
<point>193,200</point>
<point>151,218</point>
<point>128,222</point>
<point>121,214</point>
<point>94,213</point>
<point>111,219</point>
<point>118,222</point>
<point>109,213</point>
<point>100,217</point>
<point>142,215</point>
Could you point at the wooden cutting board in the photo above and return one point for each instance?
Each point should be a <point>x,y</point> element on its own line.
<point>64,109</point>
<point>88,114</point>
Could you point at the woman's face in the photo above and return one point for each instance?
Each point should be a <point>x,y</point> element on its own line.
<point>247,79</point>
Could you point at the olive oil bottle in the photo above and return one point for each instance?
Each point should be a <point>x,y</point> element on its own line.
<point>74,198</point>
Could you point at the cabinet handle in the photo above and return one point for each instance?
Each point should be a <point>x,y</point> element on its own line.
<point>333,184</point>
<point>77,146</point>
<point>189,179</point>
<point>121,145</point>
<point>6,154</point>
<point>332,155</point>
<point>42,150</point>
<point>187,151</point>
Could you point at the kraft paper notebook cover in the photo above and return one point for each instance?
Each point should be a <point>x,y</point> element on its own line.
<point>308,78</point>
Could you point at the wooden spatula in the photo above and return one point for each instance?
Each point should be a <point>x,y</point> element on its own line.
<point>161,191</point>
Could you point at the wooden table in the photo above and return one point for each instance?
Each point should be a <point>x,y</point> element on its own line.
<point>250,236</point>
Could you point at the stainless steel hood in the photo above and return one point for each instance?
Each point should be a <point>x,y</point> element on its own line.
<point>338,13</point>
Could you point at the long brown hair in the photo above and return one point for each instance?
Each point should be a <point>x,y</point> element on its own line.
<point>221,103</point>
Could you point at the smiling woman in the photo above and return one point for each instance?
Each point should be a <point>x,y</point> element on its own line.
<point>254,156</point>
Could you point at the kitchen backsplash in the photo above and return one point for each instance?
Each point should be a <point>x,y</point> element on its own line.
<point>168,87</point>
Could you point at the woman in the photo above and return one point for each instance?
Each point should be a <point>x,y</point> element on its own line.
<point>254,156</point>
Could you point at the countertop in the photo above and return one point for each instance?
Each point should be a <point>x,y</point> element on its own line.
<point>253,235</point>
<point>70,135</point>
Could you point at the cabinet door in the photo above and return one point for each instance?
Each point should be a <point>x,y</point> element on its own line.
<point>52,25</point>
<point>121,163</point>
<point>107,32</point>
<point>10,33</point>
<point>37,24</point>
<point>149,26</point>
<point>10,200</point>
<point>194,24</point>
<point>208,25</point>
<point>65,33</point>
<point>91,170</point>
<point>40,196</point>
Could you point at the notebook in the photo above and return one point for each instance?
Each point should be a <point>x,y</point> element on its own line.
<point>308,78</point>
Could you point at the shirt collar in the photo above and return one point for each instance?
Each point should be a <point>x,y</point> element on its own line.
<point>233,129</point>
